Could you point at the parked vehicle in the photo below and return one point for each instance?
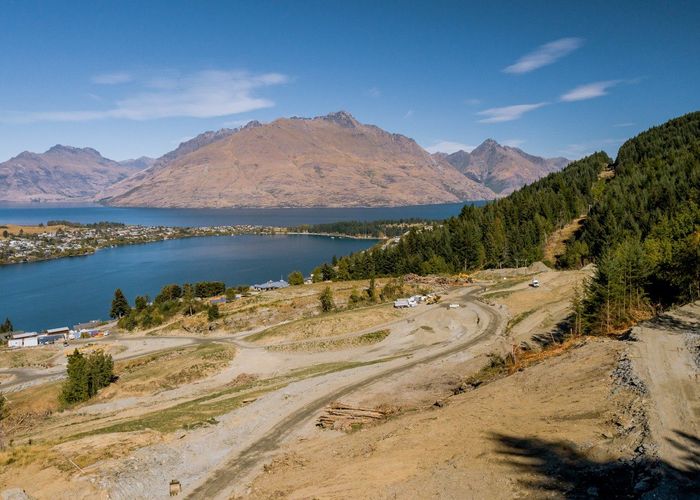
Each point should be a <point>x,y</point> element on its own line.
<point>535,283</point>
<point>401,303</point>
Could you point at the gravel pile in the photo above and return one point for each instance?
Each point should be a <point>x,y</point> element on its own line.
<point>624,376</point>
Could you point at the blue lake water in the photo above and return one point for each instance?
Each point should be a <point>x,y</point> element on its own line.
<point>67,291</point>
<point>64,292</point>
<point>36,213</point>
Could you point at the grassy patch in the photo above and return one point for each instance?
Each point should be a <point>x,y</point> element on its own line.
<point>168,369</point>
<point>517,319</point>
<point>334,344</point>
<point>328,325</point>
<point>20,358</point>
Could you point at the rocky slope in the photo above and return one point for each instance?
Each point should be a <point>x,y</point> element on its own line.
<point>62,173</point>
<point>503,169</point>
<point>327,161</point>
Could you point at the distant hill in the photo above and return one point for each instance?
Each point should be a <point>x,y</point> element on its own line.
<point>62,173</point>
<point>327,161</point>
<point>138,163</point>
<point>503,169</point>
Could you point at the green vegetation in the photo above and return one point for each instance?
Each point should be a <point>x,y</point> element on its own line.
<point>507,232</point>
<point>213,312</point>
<point>363,229</point>
<point>295,278</point>
<point>326,300</point>
<point>120,306</point>
<point>644,229</point>
<point>6,326</point>
<point>86,375</point>
<point>641,226</point>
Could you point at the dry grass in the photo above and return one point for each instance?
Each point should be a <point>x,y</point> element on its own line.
<point>35,357</point>
<point>14,229</point>
<point>556,242</point>
<point>328,325</point>
<point>334,344</point>
<point>167,369</point>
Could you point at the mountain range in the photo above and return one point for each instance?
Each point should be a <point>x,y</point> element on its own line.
<point>503,169</point>
<point>326,161</point>
<point>62,173</point>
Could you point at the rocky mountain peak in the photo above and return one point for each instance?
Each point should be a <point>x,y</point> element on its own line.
<point>342,118</point>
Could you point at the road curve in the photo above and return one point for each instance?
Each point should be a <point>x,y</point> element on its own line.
<point>219,483</point>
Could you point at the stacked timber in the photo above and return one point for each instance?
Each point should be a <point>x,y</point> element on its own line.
<point>339,416</point>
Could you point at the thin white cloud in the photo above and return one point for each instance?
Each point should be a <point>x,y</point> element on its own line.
<point>408,114</point>
<point>112,78</point>
<point>448,147</point>
<point>625,124</point>
<point>374,92</point>
<point>472,102</point>
<point>544,55</point>
<point>576,151</point>
<point>507,113</point>
<point>205,94</point>
<point>514,143</point>
<point>589,91</point>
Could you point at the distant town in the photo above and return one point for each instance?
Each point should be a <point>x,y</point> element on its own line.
<point>59,239</point>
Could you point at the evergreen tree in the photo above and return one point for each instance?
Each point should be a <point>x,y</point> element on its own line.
<point>120,306</point>
<point>141,302</point>
<point>295,278</point>
<point>75,388</point>
<point>213,312</point>
<point>6,326</point>
<point>326,300</point>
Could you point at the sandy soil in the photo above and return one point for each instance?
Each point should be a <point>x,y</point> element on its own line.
<point>508,439</point>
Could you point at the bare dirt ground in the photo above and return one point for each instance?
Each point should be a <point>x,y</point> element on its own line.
<point>560,428</point>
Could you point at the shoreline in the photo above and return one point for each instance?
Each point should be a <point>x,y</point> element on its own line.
<point>158,234</point>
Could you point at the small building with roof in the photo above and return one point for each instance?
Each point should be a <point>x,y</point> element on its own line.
<point>271,285</point>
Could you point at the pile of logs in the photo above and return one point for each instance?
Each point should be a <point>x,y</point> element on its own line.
<point>339,416</point>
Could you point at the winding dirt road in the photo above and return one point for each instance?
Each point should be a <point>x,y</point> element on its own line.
<point>232,474</point>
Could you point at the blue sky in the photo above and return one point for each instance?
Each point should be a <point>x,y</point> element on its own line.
<point>136,78</point>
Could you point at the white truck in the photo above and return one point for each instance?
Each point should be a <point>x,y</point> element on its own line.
<point>535,283</point>
<point>401,303</point>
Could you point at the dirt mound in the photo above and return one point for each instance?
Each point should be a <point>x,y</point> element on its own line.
<point>538,267</point>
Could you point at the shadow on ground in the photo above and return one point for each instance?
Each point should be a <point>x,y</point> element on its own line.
<point>560,469</point>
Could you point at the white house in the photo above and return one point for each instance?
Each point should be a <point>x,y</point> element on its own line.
<point>29,339</point>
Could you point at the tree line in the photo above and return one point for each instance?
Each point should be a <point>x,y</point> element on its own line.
<point>641,228</point>
<point>505,233</point>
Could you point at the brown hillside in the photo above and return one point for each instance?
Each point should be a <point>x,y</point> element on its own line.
<point>329,161</point>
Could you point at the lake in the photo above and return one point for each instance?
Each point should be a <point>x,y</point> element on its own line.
<point>64,292</point>
<point>36,213</point>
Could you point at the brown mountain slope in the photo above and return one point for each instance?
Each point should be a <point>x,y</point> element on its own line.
<point>502,168</point>
<point>62,173</point>
<point>328,161</point>
<point>158,164</point>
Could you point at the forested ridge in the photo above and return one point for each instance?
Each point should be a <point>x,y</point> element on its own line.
<point>507,232</point>
<point>642,229</point>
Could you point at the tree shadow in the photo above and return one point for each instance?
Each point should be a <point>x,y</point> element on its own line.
<point>558,334</point>
<point>673,324</point>
<point>559,468</point>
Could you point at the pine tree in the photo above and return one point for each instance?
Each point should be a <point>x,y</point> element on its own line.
<point>120,306</point>
<point>6,326</point>
<point>326,300</point>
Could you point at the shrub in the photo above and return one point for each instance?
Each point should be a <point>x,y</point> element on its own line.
<point>326,300</point>
<point>295,278</point>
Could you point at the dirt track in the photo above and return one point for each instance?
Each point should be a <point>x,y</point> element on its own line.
<point>223,481</point>
<point>665,364</point>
